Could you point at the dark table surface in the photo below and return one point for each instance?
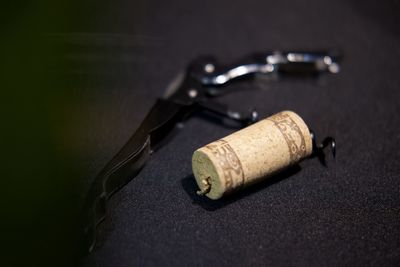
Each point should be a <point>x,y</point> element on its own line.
<point>345,214</point>
<point>124,55</point>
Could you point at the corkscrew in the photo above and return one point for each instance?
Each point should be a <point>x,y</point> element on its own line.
<point>195,89</point>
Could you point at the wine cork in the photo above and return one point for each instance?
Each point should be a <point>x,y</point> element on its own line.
<point>251,154</point>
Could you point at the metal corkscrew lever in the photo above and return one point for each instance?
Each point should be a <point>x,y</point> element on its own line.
<point>203,81</point>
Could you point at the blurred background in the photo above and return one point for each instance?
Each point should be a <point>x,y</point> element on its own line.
<point>77,77</point>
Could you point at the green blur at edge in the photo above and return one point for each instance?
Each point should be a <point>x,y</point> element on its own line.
<point>39,187</point>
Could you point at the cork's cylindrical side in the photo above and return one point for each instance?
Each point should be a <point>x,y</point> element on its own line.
<point>251,154</point>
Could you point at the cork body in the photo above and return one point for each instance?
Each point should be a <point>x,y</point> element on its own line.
<point>251,154</point>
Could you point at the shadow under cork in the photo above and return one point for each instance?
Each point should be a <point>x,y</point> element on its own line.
<point>190,186</point>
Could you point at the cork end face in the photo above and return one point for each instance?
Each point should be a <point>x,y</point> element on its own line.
<point>206,175</point>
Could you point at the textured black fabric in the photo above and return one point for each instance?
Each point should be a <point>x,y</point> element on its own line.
<point>345,214</point>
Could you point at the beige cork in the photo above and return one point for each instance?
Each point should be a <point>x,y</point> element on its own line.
<point>251,154</point>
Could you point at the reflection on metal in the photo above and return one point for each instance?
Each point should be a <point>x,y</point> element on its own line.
<point>209,68</point>
<point>274,62</point>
